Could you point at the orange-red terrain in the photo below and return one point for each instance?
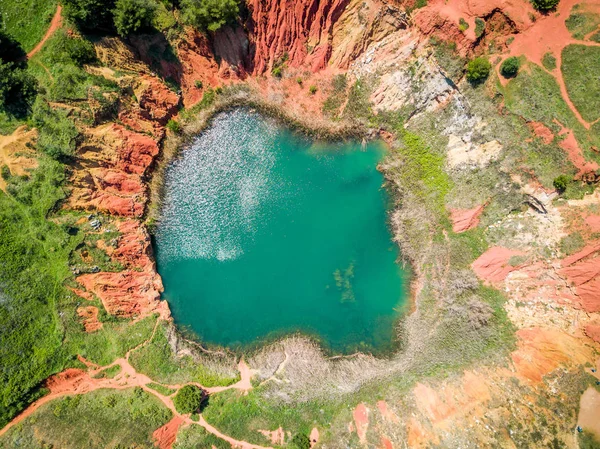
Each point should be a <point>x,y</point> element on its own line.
<point>553,301</point>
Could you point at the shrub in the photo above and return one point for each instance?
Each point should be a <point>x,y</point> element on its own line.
<point>561,182</point>
<point>199,84</point>
<point>571,243</point>
<point>18,89</point>
<point>300,441</point>
<point>478,70</point>
<point>479,26</point>
<point>299,81</point>
<point>189,399</point>
<point>312,89</point>
<point>57,133</point>
<point>131,16</point>
<point>277,72</point>
<point>174,127</point>
<point>549,61</point>
<point>544,5</point>
<point>90,15</point>
<point>510,67</point>
<point>64,49</point>
<point>463,25</point>
<point>209,14</point>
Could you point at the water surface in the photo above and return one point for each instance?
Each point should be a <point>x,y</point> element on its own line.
<point>265,232</point>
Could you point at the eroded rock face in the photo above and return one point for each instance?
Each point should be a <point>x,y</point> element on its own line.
<point>582,271</point>
<point>465,219</point>
<point>302,29</point>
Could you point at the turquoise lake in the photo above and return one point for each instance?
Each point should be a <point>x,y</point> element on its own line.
<point>264,232</point>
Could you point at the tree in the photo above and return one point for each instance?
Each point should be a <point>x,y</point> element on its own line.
<point>131,16</point>
<point>64,49</point>
<point>57,133</point>
<point>510,67</point>
<point>561,182</point>
<point>478,70</point>
<point>300,441</point>
<point>90,15</point>
<point>209,14</point>
<point>189,399</point>
<point>544,5</point>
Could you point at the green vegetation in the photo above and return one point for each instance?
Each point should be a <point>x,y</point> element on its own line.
<point>157,361</point>
<point>189,399</point>
<point>479,27</point>
<point>57,133</point>
<point>90,15</point>
<point>549,61</point>
<point>561,182</point>
<point>195,437</point>
<point>166,391</point>
<point>580,63</point>
<point>571,243</point>
<point>581,23</point>
<point>478,70</point>
<point>100,419</point>
<point>510,67</point>
<point>448,58</point>
<point>109,372</point>
<point>336,97</point>
<point>174,126</point>
<point>544,5</point>
<point>463,25</point>
<point>26,20</point>
<point>312,89</point>
<point>587,440</point>
<point>300,441</point>
<point>65,49</point>
<point>209,14</point>
<point>132,16</point>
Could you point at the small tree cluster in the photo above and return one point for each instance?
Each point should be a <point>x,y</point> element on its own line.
<point>209,15</point>
<point>478,70</point>
<point>17,87</point>
<point>561,182</point>
<point>189,399</point>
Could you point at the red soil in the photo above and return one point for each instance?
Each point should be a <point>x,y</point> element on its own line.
<point>582,270</point>
<point>361,420</point>
<point>570,145</point>
<point>90,318</point>
<point>541,131</point>
<point>166,435</point>
<point>314,437</point>
<point>593,331</point>
<point>493,265</point>
<point>593,221</point>
<point>465,219</point>
<point>386,444</point>
<point>386,413</point>
<point>54,25</point>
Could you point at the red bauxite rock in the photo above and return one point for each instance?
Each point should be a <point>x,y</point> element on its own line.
<point>300,28</point>
<point>465,219</point>
<point>493,265</point>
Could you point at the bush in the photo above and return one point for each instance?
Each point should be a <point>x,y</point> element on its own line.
<point>64,49</point>
<point>209,14</point>
<point>277,72</point>
<point>561,182</point>
<point>57,133</point>
<point>199,84</point>
<point>300,441</point>
<point>478,70</point>
<point>131,16</point>
<point>312,89</point>
<point>174,127</point>
<point>571,243</point>
<point>189,399</point>
<point>510,67</point>
<point>544,5</point>
<point>18,89</point>
<point>90,15</point>
<point>479,27</point>
<point>463,25</point>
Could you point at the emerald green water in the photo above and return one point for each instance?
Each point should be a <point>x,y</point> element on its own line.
<point>264,232</point>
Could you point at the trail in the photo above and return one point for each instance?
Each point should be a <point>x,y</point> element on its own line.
<point>78,381</point>
<point>54,25</point>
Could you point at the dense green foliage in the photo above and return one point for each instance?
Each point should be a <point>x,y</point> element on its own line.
<point>90,15</point>
<point>581,23</point>
<point>510,67</point>
<point>57,133</point>
<point>189,399</point>
<point>33,252</point>
<point>131,16</point>
<point>26,20</point>
<point>549,61</point>
<point>209,14</point>
<point>100,419</point>
<point>545,5</point>
<point>561,182</point>
<point>478,70</point>
<point>479,26</point>
<point>65,49</point>
<point>17,87</point>
<point>300,441</point>
<point>579,64</point>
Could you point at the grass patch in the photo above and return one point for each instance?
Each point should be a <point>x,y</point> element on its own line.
<point>165,391</point>
<point>100,419</point>
<point>580,66</point>
<point>27,20</point>
<point>158,361</point>
<point>194,437</point>
<point>549,61</point>
<point>448,58</point>
<point>581,23</point>
<point>108,373</point>
<point>572,243</point>
<point>336,97</point>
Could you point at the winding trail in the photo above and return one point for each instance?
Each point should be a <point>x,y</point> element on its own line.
<point>54,25</point>
<point>74,381</point>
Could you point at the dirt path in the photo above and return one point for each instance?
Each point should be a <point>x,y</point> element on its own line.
<point>54,25</point>
<point>77,381</point>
